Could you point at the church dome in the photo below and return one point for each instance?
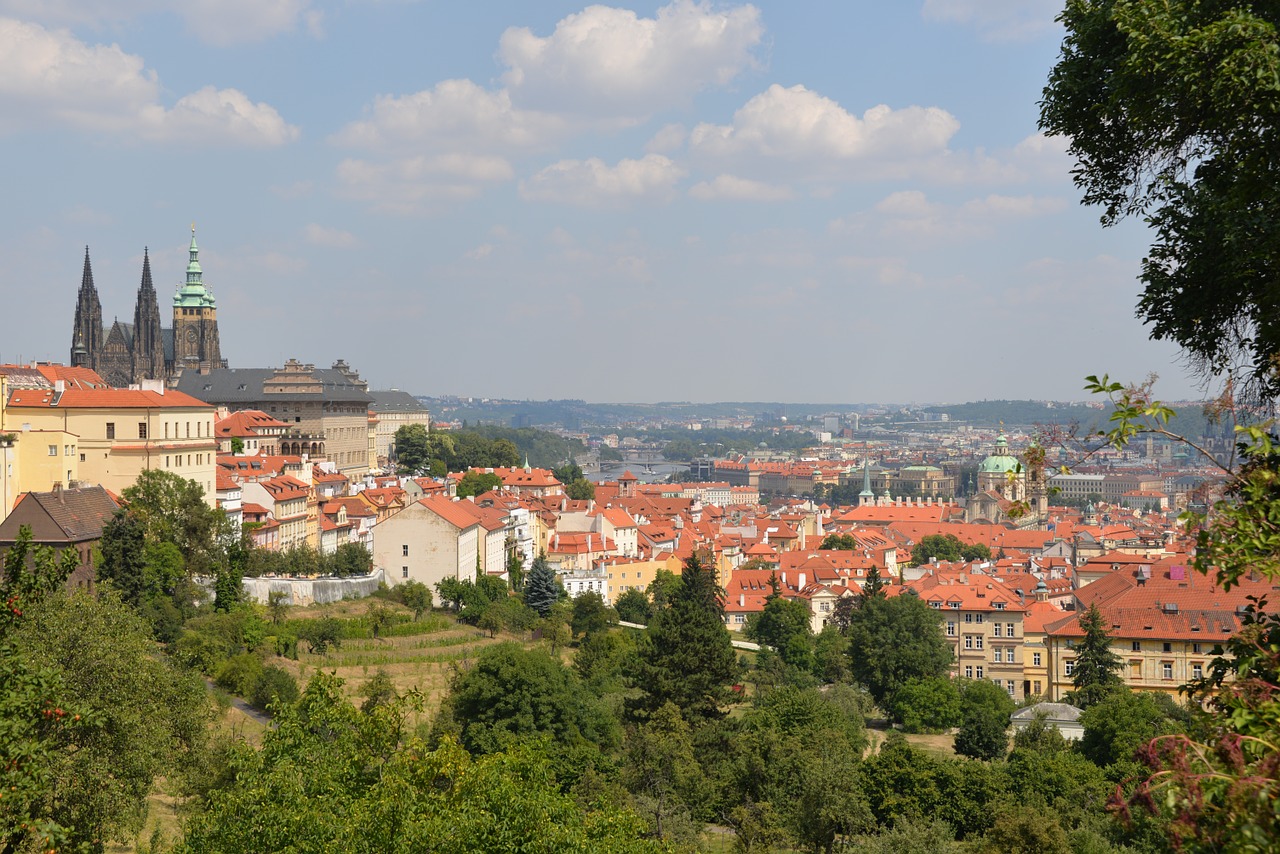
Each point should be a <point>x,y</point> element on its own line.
<point>999,462</point>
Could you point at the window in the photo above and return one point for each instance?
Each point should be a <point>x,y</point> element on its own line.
<point>977,618</point>
<point>1195,647</point>
<point>188,429</point>
<point>53,450</point>
<point>1035,662</point>
<point>977,642</point>
<point>1137,646</point>
<point>166,462</point>
<point>1166,670</point>
<point>111,429</point>
<point>404,550</point>
<point>999,655</point>
<point>404,572</point>
<point>1197,672</point>
<point>1036,687</point>
<point>82,458</point>
<point>1070,667</point>
<point>968,672</point>
<point>955,606</point>
<point>935,605</point>
<point>999,606</point>
<point>968,641</point>
<point>968,618</point>
<point>951,629</point>
<point>739,618</point>
<point>1008,630</point>
<point>978,671</point>
<point>998,630</point>
<point>142,429</point>
<point>1168,647</point>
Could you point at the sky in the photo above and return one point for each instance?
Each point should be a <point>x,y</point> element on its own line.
<point>830,200</point>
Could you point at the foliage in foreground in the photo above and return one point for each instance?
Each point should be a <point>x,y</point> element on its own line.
<point>334,778</point>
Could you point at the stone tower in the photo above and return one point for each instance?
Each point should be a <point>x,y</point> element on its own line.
<point>86,336</point>
<point>148,341</point>
<point>195,319</point>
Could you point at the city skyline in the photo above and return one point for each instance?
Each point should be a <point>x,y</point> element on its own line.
<point>614,203</point>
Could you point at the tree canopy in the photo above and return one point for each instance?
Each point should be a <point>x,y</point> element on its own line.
<point>686,657</point>
<point>893,641</point>
<point>947,547</point>
<point>1172,112</point>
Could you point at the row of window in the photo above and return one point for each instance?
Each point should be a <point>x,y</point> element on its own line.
<point>142,430</point>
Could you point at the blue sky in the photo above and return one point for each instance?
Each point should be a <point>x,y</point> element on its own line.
<point>802,201</point>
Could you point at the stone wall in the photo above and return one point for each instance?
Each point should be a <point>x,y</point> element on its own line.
<point>310,591</point>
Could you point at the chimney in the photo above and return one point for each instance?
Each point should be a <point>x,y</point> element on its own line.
<point>800,585</point>
<point>742,600</point>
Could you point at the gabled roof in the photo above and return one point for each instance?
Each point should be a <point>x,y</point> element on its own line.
<point>450,511</point>
<point>104,398</point>
<point>79,514</point>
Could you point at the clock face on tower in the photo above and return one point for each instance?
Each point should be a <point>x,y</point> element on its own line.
<point>191,335</point>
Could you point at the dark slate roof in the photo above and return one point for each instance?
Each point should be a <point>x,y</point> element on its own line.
<point>166,340</point>
<point>80,514</point>
<point>395,401</point>
<point>244,385</point>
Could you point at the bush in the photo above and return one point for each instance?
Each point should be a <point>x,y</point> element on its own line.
<point>274,687</point>
<point>240,674</point>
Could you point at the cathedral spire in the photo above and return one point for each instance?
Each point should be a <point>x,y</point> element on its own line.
<point>148,344</point>
<point>86,333</point>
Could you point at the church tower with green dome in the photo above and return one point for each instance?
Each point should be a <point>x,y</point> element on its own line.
<point>1001,473</point>
<point>195,319</point>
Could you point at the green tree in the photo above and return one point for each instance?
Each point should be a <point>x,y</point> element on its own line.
<point>1171,110</point>
<point>686,657</point>
<point>412,451</point>
<point>541,588</point>
<point>984,720</point>
<point>1116,726</point>
<point>477,482</point>
<point>947,547</point>
<point>872,587</point>
<point>416,596</point>
<point>932,704</point>
<point>141,716</point>
<point>590,614</point>
<point>830,663</point>
<point>662,771</point>
<point>844,542</point>
<point>784,625</point>
<point>1097,668</point>
<point>329,777</point>
<point>122,559</point>
<point>580,489</point>
<point>172,509</point>
<point>351,559</point>
<point>512,691</point>
<point>892,641</point>
<point>633,607</point>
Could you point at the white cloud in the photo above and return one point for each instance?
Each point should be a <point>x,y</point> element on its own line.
<point>911,214</point>
<point>592,182</point>
<point>605,61</point>
<point>229,22</point>
<point>217,22</point>
<point>414,185</point>
<point>997,20</point>
<point>51,77</point>
<point>484,250</point>
<point>456,115</point>
<point>668,138</point>
<point>218,116</point>
<point>334,238</point>
<point>815,135</point>
<point>733,188</point>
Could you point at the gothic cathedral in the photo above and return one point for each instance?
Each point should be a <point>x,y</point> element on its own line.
<point>127,353</point>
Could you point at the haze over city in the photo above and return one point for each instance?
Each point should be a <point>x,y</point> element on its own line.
<point>781,202</point>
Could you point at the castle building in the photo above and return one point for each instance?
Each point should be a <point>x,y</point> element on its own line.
<point>125,354</point>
